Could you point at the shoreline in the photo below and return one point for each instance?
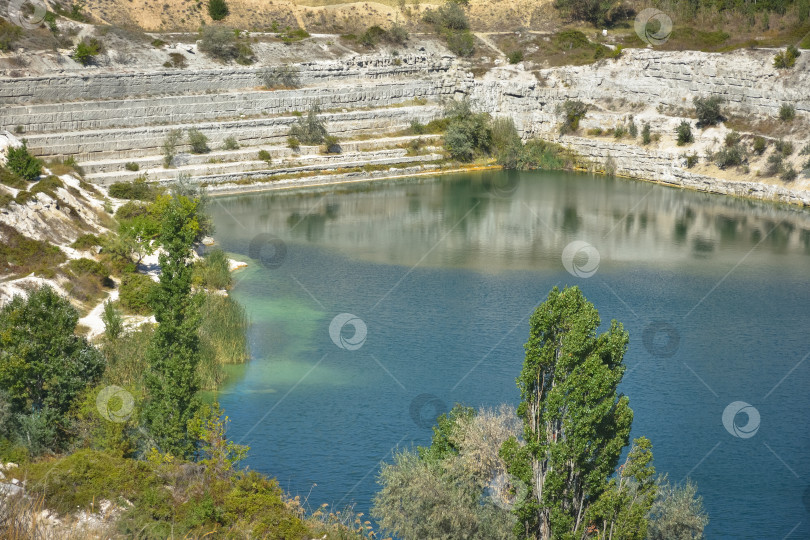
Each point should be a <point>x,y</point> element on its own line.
<point>678,178</point>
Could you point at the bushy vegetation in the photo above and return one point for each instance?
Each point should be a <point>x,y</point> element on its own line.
<point>265,156</point>
<point>708,110</point>
<point>87,50</point>
<point>683,133</point>
<point>20,255</point>
<point>730,156</point>
<point>786,59</point>
<point>309,129</point>
<point>137,190</point>
<point>468,134</point>
<point>374,35</point>
<point>135,293</point>
<point>276,77</point>
<point>86,241</point>
<point>225,44</point>
<point>646,135</point>
<point>173,138</point>
<point>759,145</point>
<point>450,21</point>
<point>787,112</point>
<point>131,166</point>
<point>212,271</point>
<point>22,163</point>
<point>573,112</point>
<point>9,34</point>
<point>218,9</point>
<point>198,141</point>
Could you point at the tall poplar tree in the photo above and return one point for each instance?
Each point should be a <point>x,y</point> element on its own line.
<point>576,424</point>
<point>171,378</point>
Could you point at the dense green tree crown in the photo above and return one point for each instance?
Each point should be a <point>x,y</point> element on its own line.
<point>575,421</point>
<point>171,380</point>
<point>43,368</point>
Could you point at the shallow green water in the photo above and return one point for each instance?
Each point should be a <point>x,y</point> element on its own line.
<point>443,273</point>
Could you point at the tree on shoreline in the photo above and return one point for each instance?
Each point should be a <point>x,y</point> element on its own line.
<point>575,427</point>
<point>171,380</point>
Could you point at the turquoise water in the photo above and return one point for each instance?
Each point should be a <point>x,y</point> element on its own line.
<point>441,275</point>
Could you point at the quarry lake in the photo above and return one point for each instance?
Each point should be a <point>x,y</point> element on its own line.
<point>440,275</point>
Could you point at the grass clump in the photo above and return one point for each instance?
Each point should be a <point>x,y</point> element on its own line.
<point>265,156</point>
<point>137,190</point>
<point>86,241</point>
<point>20,255</point>
<point>132,166</point>
<point>225,44</point>
<point>47,185</point>
<point>212,271</point>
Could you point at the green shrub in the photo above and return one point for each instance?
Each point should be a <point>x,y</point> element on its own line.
<point>783,147</point>
<point>170,143</point>
<point>86,241</point>
<point>632,128</point>
<point>131,166</point>
<point>22,163</point>
<point>212,271</point>
<point>230,144</point>
<point>21,255</point>
<point>371,36</point>
<point>708,110</point>
<point>197,141</point>
<point>574,111</point>
<point>774,164</point>
<point>285,76</point>
<point>137,190</point>
<point>467,133</point>
<point>176,60</point>
<point>217,9</point>
<point>397,34</point>
<point>47,185</point>
<point>787,112</point>
<point>759,145</point>
<point>293,143</point>
<point>225,44</point>
<point>789,174</point>
<point>646,137</point>
<point>87,50</point>
<point>619,131</point>
<point>9,34</point>
<point>136,292</point>
<point>786,59</point>
<point>131,210</point>
<point>515,57</point>
<point>691,160</point>
<point>460,42</point>
<point>730,156</point>
<point>417,127</point>
<point>10,179</point>
<point>309,130</point>
<point>331,145</point>
<point>732,138</point>
<point>684,133</point>
<point>5,199</point>
<point>264,155</point>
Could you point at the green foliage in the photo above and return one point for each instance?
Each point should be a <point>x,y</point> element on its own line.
<point>784,147</point>
<point>230,143</point>
<point>450,489</point>
<point>506,143</point>
<point>135,293</point>
<point>293,143</point>
<point>646,136</point>
<point>677,513</point>
<point>786,59</point>
<point>575,421</point>
<point>87,50</point>
<point>9,34</point>
<point>683,133</point>
<point>461,42</point>
<point>596,12</point>
<point>285,76</point>
<point>137,190</point>
<point>730,156</point>
<point>171,379</point>
<point>774,164</point>
<point>10,179</point>
<point>515,57</point>
<point>131,166</point>
<point>176,60</point>
<point>759,145</point>
<point>309,130</point>
<point>291,35</point>
<point>632,128</point>
<point>225,44</point>
<point>708,110</point>
<point>44,366</point>
<point>574,111</point>
<point>372,36</point>
<point>212,271</point>
<point>787,112</point>
<point>21,255</point>
<point>467,133</point>
<point>540,154</point>
<point>217,454</point>
<point>170,143</point>
<point>217,9</point>
<point>788,174</point>
<point>450,20</point>
<point>22,163</point>
<point>197,141</point>
<point>331,145</point>
<point>47,185</point>
<point>264,155</point>
<point>113,322</point>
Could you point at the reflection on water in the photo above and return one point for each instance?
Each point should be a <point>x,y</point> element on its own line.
<point>445,272</point>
